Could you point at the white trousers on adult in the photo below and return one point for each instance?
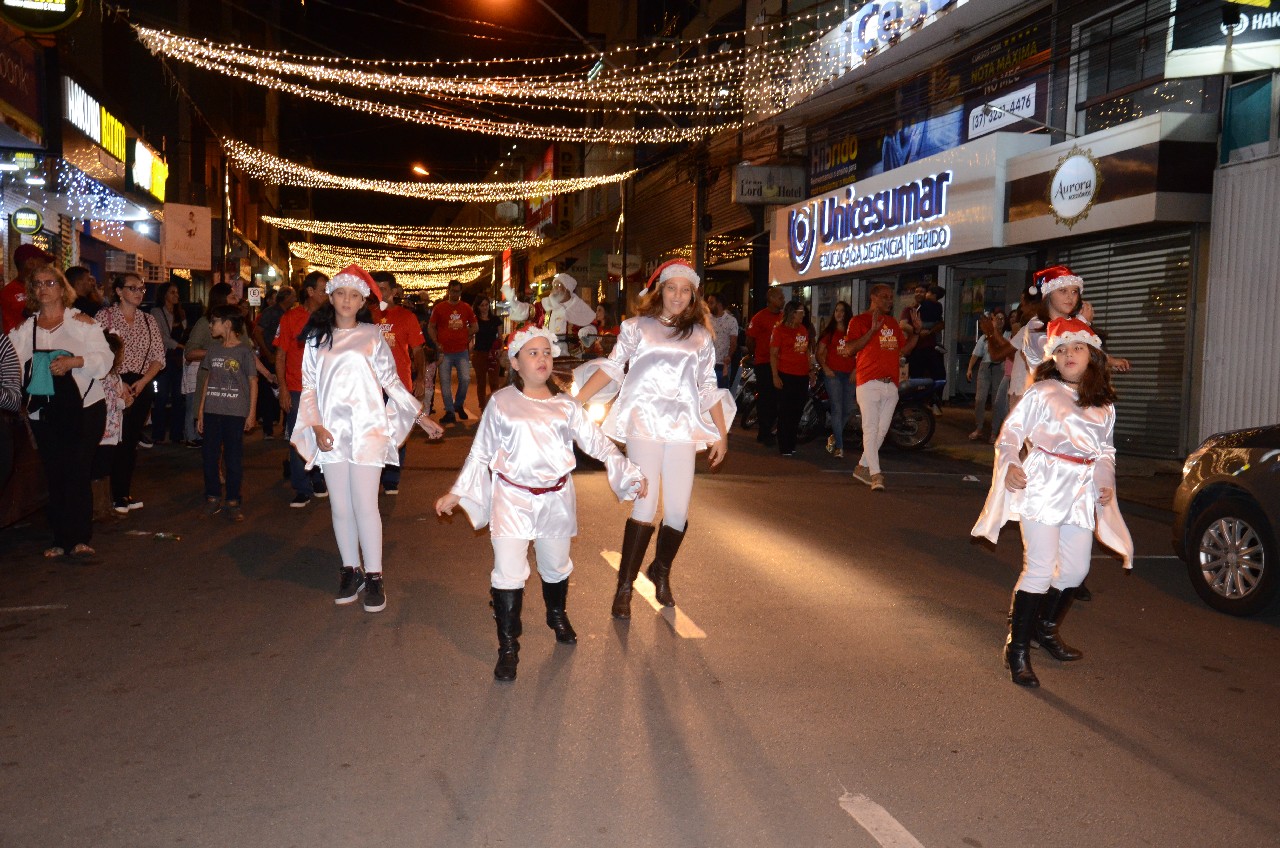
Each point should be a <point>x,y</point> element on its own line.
<point>1054,555</point>
<point>357,524</point>
<point>876,402</point>
<point>668,467</point>
<point>511,561</point>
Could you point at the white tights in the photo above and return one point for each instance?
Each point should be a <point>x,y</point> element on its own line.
<point>357,524</point>
<point>511,561</point>
<point>1055,555</point>
<point>667,466</point>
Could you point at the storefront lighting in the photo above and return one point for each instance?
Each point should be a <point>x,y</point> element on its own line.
<point>34,179</point>
<point>143,228</point>
<point>8,166</point>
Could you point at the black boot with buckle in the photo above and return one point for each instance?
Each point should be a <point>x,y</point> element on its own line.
<point>556,595</point>
<point>1017,649</point>
<point>506,611</point>
<point>635,541</point>
<point>664,554</point>
<point>1048,619</point>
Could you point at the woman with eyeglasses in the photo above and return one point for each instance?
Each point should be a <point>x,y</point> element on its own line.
<point>64,356</point>
<point>143,360</point>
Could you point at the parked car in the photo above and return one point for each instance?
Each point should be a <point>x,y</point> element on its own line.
<point>1226,514</point>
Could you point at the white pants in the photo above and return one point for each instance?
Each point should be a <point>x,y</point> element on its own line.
<point>1055,555</point>
<point>357,524</point>
<point>876,401</point>
<point>667,466</point>
<point>511,561</point>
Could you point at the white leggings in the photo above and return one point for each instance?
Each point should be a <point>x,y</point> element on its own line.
<point>667,466</point>
<point>357,524</point>
<point>1055,555</point>
<point>511,561</point>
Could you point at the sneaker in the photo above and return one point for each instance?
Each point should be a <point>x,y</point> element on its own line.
<point>212,506</point>
<point>877,482</point>
<point>975,436</point>
<point>462,414</point>
<point>121,506</point>
<point>194,443</point>
<point>838,453</point>
<point>320,488</point>
<point>145,442</point>
<point>375,599</point>
<point>831,443</point>
<point>234,513</point>
<point>299,501</point>
<point>132,504</point>
<point>862,474</point>
<point>351,584</point>
<point>390,490</point>
<point>448,418</point>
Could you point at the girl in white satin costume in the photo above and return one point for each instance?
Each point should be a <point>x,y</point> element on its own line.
<point>518,480</point>
<point>1061,493</point>
<point>668,409</point>
<point>353,415</point>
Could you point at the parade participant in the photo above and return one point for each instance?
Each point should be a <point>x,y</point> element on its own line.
<point>518,480</point>
<point>452,327</point>
<point>345,425</point>
<point>307,483</point>
<point>789,349</point>
<point>1061,493</point>
<point>564,310</point>
<point>403,334</point>
<point>759,332</point>
<point>227,405</point>
<point>878,343</point>
<point>668,409</point>
<point>837,372</point>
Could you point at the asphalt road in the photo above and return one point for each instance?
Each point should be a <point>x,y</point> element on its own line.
<point>832,679</point>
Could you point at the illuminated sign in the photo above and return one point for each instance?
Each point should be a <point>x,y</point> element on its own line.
<point>27,220</point>
<point>40,16</point>
<point>149,171</point>
<point>87,115</point>
<point>1074,186</point>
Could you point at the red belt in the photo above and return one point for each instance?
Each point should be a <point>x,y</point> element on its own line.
<point>560,484</point>
<point>1078,460</point>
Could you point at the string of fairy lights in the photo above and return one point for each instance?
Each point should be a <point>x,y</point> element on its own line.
<point>465,240</point>
<point>430,283</point>
<point>272,169</point>
<point>333,255</point>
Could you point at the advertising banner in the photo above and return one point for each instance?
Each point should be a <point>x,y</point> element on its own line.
<point>188,237</point>
<point>540,212</point>
<point>1201,37</point>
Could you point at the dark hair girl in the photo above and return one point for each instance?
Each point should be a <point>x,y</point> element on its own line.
<point>1095,387</point>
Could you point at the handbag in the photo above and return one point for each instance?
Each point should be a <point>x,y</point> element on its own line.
<point>55,396</point>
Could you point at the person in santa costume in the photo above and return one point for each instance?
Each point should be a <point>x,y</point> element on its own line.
<point>668,408</point>
<point>562,310</point>
<point>346,427</point>
<point>1062,493</point>
<point>518,480</point>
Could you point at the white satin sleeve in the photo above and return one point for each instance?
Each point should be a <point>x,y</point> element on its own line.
<point>402,407</point>
<point>474,486</point>
<point>1001,504</point>
<point>710,395</point>
<point>624,475</point>
<point>303,439</point>
<point>615,364</point>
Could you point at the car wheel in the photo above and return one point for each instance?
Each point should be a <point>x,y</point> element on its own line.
<point>1233,558</point>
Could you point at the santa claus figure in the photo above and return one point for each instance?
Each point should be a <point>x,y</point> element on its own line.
<point>563,311</point>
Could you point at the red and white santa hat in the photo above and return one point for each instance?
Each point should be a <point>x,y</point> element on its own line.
<point>1067,330</point>
<point>670,269</point>
<point>351,277</point>
<point>1053,278</point>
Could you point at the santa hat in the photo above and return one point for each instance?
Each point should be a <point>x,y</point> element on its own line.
<point>351,277</point>
<point>1067,330</point>
<point>570,284</point>
<point>1053,278</point>
<point>670,269</point>
<point>527,334</point>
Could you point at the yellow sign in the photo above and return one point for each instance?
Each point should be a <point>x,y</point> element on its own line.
<point>113,135</point>
<point>1261,4</point>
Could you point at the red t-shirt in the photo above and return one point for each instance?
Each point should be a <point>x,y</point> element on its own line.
<point>13,302</point>
<point>836,361</point>
<point>793,349</point>
<point>452,322</point>
<point>402,332</point>
<point>880,357</point>
<point>288,346</point>
<point>761,329</point>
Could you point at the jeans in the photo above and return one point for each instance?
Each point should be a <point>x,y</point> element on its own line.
<point>168,417</point>
<point>767,404</point>
<point>987,386</point>
<point>189,420</point>
<point>302,480</point>
<point>843,397</point>
<point>791,399</point>
<point>449,362</point>
<point>722,379</point>
<point>876,401</point>
<point>223,434</point>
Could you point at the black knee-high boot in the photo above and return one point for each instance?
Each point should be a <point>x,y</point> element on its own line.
<point>664,554</point>
<point>506,610</point>
<point>555,595</point>
<point>1017,649</point>
<point>635,541</point>
<point>1048,619</point>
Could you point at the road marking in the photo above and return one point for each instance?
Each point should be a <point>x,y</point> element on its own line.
<point>876,821</point>
<point>34,608</point>
<point>1138,556</point>
<point>680,623</point>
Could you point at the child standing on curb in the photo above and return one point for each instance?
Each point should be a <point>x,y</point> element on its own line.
<point>227,407</point>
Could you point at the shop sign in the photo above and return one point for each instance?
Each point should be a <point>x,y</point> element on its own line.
<point>26,220</point>
<point>759,184</point>
<point>87,115</point>
<point>614,264</point>
<point>188,237</point>
<point>1074,186</point>
<point>540,212</point>
<point>40,16</point>
<point>149,172</point>
<point>1201,38</point>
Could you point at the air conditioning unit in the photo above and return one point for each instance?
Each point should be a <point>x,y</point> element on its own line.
<point>154,273</point>
<point>122,262</point>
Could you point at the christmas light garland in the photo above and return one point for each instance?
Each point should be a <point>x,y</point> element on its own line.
<point>434,284</point>
<point>272,169</point>
<point>472,240</point>
<point>339,256</point>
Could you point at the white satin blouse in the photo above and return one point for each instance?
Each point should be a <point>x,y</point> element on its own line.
<point>529,441</point>
<point>668,385</point>
<point>342,390</point>
<point>1058,490</point>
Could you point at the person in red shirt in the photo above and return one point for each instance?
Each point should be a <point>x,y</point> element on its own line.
<point>452,327</point>
<point>837,372</point>
<point>13,297</point>
<point>879,344</point>
<point>306,484</point>
<point>789,349</point>
<point>759,334</point>
<point>403,334</point>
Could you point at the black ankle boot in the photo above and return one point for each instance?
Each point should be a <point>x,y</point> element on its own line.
<point>635,541</point>
<point>1048,619</point>
<point>506,610</point>
<point>1017,649</point>
<point>664,553</point>
<point>555,595</point>
<point>1082,593</point>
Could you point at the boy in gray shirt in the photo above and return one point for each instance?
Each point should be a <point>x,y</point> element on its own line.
<point>227,406</point>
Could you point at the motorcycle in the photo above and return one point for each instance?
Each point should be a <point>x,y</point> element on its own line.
<point>912,426</point>
<point>745,394</point>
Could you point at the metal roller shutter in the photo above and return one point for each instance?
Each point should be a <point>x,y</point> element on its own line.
<point>1140,291</point>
